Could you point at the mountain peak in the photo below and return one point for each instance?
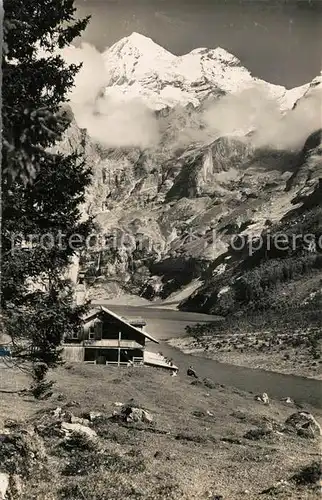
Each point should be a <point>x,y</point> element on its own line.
<point>138,45</point>
<point>140,68</point>
<point>139,39</point>
<point>217,53</point>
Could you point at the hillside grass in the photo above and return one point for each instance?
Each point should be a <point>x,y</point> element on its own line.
<point>186,453</point>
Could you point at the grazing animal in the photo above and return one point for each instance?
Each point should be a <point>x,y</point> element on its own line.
<point>191,372</point>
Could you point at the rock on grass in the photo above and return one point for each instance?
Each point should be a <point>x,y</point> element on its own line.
<point>304,424</point>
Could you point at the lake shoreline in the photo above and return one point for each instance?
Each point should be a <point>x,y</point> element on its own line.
<point>166,324</point>
<point>270,362</point>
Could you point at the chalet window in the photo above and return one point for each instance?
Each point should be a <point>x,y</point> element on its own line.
<point>75,335</point>
<point>91,332</point>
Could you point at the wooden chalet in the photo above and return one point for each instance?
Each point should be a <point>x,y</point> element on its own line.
<point>107,338</point>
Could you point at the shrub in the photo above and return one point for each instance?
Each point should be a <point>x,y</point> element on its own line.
<point>309,475</point>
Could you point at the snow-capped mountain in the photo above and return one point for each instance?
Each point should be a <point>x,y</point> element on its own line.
<point>140,68</point>
<point>177,196</point>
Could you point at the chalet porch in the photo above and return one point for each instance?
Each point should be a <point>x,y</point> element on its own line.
<point>113,356</point>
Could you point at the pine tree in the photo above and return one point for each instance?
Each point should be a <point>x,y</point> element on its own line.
<point>42,188</point>
<point>34,87</point>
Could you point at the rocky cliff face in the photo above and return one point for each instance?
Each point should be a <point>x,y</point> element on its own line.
<point>260,275</point>
<point>169,210</point>
<point>166,224</point>
<point>308,170</point>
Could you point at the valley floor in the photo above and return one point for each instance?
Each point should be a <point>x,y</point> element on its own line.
<point>197,446</point>
<point>289,360</point>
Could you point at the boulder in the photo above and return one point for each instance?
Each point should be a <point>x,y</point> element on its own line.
<point>139,415</point>
<point>288,400</point>
<point>67,416</point>
<point>263,398</point>
<point>4,485</point>
<point>131,414</point>
<point>57,412</point>
<point>304,424</point>
<point>78,420</point>
<point>70,428</point>
<point>64,415</point>
<point>94,415</point>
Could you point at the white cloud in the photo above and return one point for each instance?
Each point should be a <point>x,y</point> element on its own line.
<point>130,123</point>
<point>251,109</point>
<point>109,121</point>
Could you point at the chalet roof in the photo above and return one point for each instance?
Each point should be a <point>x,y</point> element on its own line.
<point>94,312</point>
<point>125,322</point>
<point>90,313</point>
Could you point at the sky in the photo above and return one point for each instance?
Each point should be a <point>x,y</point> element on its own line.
<point>277,40</point>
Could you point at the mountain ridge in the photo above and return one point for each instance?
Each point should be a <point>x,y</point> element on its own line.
<point>138,67</point>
